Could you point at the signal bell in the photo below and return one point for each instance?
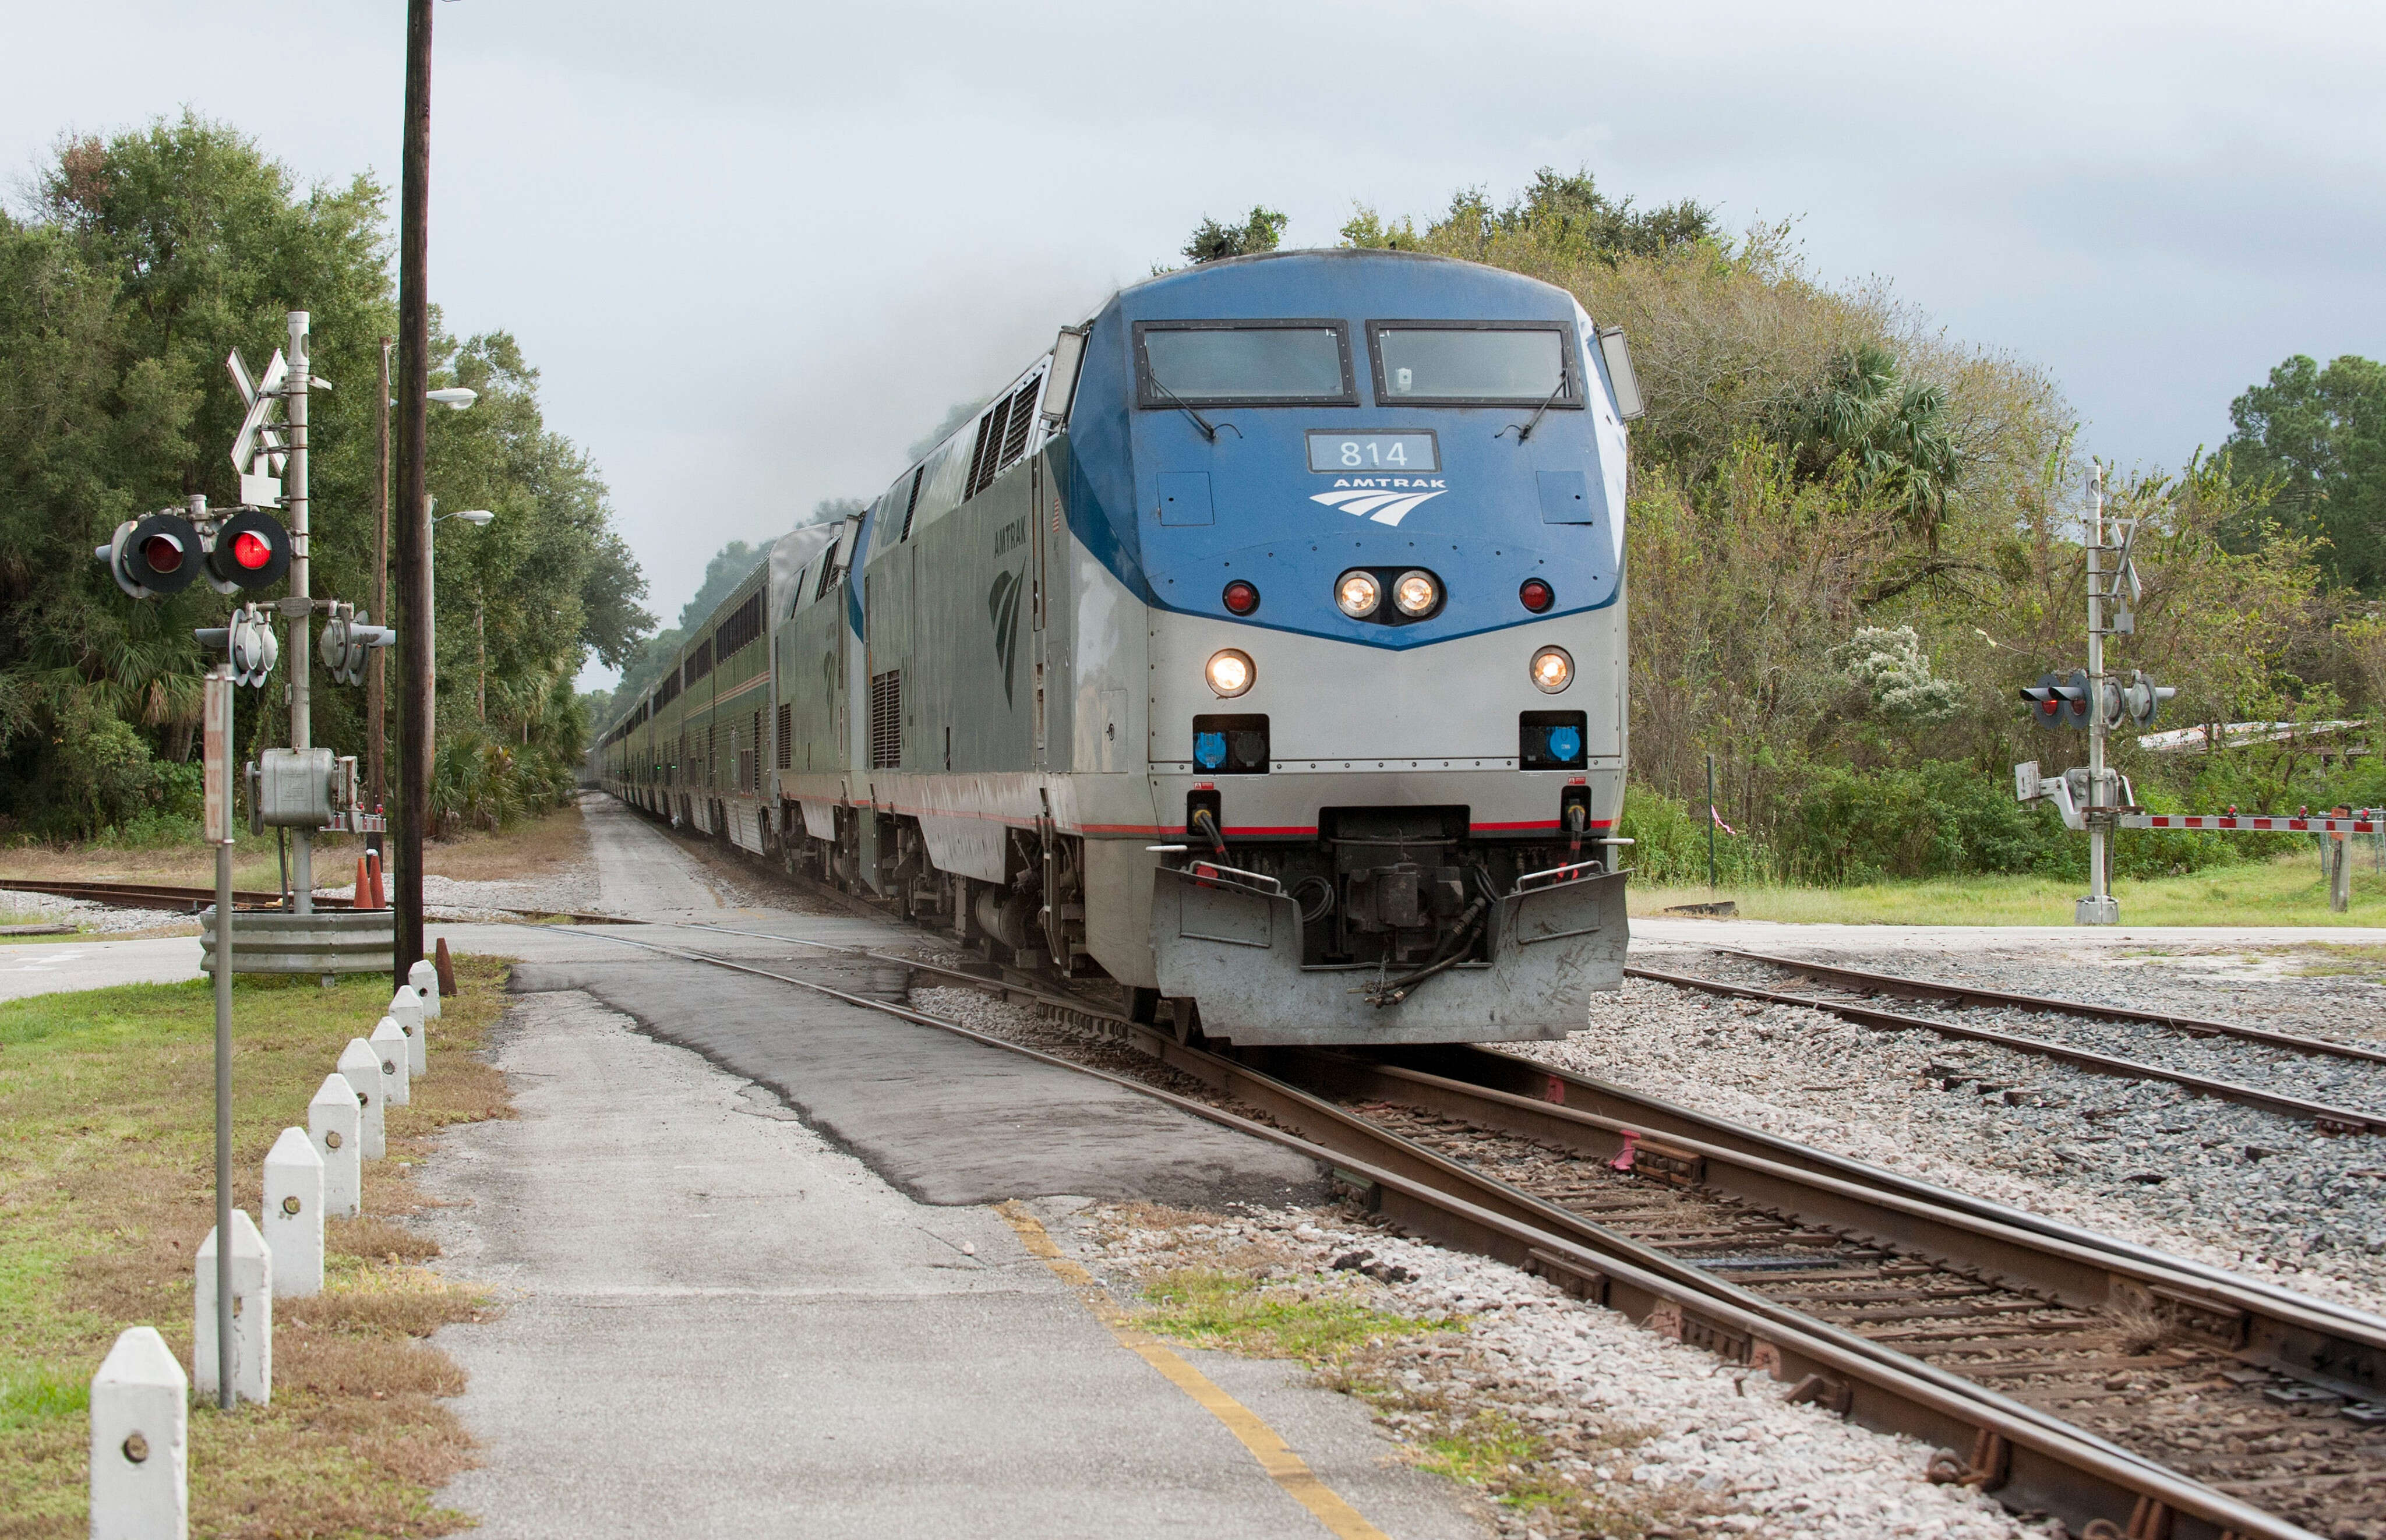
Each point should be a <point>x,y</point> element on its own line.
<point>251,550</point>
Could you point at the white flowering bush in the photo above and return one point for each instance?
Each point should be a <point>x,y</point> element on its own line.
<point>1888,665</point>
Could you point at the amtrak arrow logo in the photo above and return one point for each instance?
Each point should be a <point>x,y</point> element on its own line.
<point>1384,499</point>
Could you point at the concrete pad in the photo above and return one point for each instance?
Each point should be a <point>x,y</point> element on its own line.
<point>945,1120</point>
<point>719,1325</point>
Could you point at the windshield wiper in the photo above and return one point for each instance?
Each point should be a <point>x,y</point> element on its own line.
<point>1525,431</point>
<point>1208,431</point>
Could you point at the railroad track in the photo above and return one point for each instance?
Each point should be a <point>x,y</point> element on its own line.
<point>2329,1117</point>
<point>2131,1394</point>
<point>186,900</point>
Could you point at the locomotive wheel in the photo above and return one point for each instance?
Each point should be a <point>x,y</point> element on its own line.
<point>1142,1006</point>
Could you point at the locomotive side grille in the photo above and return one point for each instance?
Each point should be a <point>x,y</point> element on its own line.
<point>912,507</point>
<point>989,439</point>
<point>1023,420</point>
<point>886,720</point>
<point>783,740</point>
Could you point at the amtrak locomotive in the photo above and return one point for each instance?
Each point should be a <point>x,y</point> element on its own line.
<point>1261,647</point>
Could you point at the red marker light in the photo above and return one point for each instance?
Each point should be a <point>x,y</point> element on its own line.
<point>1240,597</point>
<point>1537,595</point>
<point>250,550</point>
<point>163,553</point>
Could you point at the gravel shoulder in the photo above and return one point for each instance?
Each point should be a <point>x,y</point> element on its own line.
<point>1606,1428</point>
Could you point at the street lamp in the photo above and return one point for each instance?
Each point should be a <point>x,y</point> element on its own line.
<point>455,398</point>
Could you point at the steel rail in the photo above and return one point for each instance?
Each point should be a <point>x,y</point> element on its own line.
<point>2048,1463</point>
<point>2342,1329</point>
<point>2195,1026</point>
<point>2302,1336</point>
<point>2338,1119</point>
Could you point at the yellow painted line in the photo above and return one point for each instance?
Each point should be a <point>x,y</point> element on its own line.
<point>1276,1456</point>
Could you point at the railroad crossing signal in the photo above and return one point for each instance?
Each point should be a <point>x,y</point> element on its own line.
<point>161,553</point>
<point>349,639</point>
<point>249,640</point>
<point>261,442</point>
<point>2059,701</point>
<point>2141,700</point>
<point>250,550</point>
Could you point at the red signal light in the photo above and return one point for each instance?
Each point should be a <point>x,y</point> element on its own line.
<point>1537,595</point>
<point>163,553</point>
<point>250,550</point>
<point>1240,597</point>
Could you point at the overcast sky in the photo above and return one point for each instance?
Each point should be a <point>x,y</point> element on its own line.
<point>757,249</point>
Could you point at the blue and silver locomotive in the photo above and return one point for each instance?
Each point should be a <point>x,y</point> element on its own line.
<point>1261,646</point>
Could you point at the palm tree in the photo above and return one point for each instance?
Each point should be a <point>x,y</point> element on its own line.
<point>1894,436</point>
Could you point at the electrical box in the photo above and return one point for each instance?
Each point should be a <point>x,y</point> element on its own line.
<point>294,788</point>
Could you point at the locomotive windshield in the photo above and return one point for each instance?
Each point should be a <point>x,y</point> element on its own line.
<point>1243,363</point>
<point>1469,364</point>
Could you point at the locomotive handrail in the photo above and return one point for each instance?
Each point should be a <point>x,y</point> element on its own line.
<point>1562,876</point>
<point>1211,874</point>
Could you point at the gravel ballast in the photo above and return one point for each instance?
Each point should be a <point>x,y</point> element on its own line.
<point>2260,1193</point>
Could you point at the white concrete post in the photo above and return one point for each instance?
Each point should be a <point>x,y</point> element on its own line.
<point>390,1042</point>
<point>140,1442</point>
<point>335,1125</point>
<point>252,1313</point>
<point>360,1067</point>
<point>423,979</point>
<point>293,1215</point>
<point>405,1009</point>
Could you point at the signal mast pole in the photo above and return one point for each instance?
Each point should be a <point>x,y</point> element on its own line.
<point>2098,908</point>
<point>298,606</point>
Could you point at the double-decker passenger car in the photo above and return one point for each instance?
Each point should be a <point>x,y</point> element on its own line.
<point>1261,645</point>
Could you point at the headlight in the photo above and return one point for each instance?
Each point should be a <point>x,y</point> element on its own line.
<point>1358,594</point>
<point>1416,593</point>
<point>1552,670</point>
<point>1231,672</point>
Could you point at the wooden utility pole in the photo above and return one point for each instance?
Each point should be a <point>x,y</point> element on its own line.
<point>413,506</point>
<point>376,667</point>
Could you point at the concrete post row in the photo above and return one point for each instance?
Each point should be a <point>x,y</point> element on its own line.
<point>252,1313</point>
<point>362,1067</point>
<point>140,1441</point>
<point>406,1010</point>
<point>293,1215</point>
<point>334,1124</point>
<point>424,979</point>
<point>390,1043</point>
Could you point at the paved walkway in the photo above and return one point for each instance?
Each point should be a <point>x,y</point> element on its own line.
<point>720,1324</point>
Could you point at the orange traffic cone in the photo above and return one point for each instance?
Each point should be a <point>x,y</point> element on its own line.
<point>363,899</point>
<point>372,871</point>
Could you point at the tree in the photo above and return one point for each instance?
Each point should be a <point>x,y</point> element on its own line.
<point>1564,215</point>
<point>1211,240</point>
<point>2320,435</point>
<point>1894,435</point>
<point>134,264</point>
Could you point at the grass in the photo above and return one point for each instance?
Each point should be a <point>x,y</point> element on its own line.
<point>530,848</point>
<point>1213,1307</point>
<point>106,1123</point>
<point>2286,891</point>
